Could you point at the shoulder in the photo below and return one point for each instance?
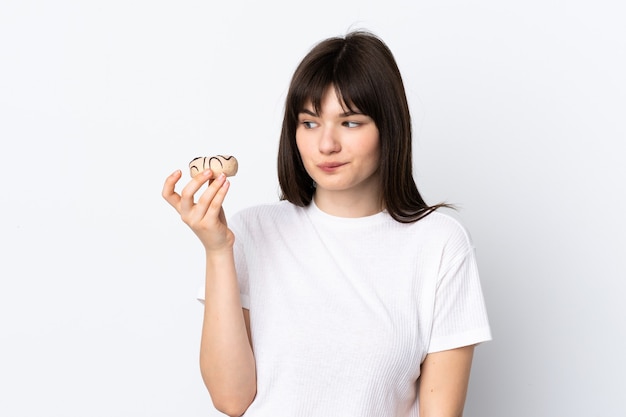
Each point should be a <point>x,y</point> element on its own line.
<point>264,216</point>
<point>279,208</point>
<point>442,225</point>
<point>444,232</point>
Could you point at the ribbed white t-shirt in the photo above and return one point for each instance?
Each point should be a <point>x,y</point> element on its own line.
<point>344,310</point>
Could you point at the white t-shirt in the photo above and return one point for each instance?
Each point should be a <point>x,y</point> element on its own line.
<point>344,310</point>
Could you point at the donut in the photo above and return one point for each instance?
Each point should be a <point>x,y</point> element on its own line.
<point>218,164</point>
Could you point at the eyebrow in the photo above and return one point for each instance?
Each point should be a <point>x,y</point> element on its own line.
<point>344,114</point>
<point>309,112</point>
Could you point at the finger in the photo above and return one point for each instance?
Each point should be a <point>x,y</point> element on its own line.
<point>168,192</point>
<point>215,210</point>
<point>190,190</point>
<point>209,194</point>
<point>200,214</point>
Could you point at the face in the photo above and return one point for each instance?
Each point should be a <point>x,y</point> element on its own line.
<point>340,149</point>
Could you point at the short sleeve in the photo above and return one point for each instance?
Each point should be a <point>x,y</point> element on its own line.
<point>241,267</point>
<point>460,315</point>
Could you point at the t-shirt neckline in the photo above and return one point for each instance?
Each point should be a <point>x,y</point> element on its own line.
<point>316,213</point>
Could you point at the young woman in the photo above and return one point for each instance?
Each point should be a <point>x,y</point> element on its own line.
<point>351,296</point>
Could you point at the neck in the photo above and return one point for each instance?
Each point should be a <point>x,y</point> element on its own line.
<point>343,204</point>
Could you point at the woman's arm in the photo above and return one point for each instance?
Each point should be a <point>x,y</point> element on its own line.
<point>226,359</point>
<point>443,382</point>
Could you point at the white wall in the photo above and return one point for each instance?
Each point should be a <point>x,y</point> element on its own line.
<point>519,111</point>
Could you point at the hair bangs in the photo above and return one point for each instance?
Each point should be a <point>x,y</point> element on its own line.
<point>310,90</point>
<point>354,86</point>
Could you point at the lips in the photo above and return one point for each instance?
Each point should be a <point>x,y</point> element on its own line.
<point>330,166</point>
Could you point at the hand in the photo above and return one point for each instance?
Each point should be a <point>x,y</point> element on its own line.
<point>205,217</point>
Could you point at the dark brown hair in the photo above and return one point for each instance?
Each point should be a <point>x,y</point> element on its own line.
<point>365,75</point>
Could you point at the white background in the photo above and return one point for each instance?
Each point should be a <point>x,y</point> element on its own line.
<point>519,117</point>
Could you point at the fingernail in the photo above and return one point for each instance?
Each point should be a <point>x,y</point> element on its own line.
<point>206,173</point>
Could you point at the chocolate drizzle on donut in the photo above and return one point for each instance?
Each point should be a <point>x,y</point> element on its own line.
<point>195,168</point>
<point>216,158</point>
<point>206,163</point>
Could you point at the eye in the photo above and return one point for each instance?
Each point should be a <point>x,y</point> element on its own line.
<point>308,124</point>
<point>351,124</point>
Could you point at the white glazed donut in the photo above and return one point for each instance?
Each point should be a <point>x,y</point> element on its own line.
<point>218,164</point>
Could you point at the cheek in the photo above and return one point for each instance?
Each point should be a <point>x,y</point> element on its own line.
<point>373,149</point>
<point>298,141</point>
<point>301,146</point>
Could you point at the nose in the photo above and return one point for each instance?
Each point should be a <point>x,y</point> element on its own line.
<point>329,141</point>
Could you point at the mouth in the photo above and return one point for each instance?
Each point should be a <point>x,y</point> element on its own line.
<point>330,166</point>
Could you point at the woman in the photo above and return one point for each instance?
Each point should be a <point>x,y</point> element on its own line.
<point>350,296</point>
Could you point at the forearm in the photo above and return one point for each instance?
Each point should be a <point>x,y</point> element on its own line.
<point>226,358</point>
